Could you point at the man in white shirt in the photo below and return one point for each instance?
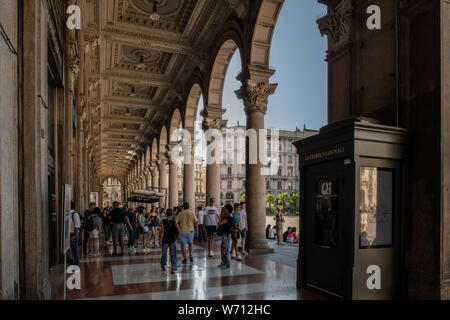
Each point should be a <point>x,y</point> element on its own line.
<point>212,216</point>
<point>243,225</point>
<point>74,228</point>
<point>201,226</point>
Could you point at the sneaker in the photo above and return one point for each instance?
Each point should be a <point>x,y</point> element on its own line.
<point>184,261</point>
<point>244,253</point>
<point>233,256</point>
<point>191,259</point>
<point>220,265</point>
<point>238,257</point>
<point>173,272</point>
<point>163,269</point>
<point>225,266</point>
<point>211,254</point>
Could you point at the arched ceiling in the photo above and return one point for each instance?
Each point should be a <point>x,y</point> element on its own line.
<point>135,67</point>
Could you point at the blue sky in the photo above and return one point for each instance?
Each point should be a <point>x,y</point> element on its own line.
<point>298,56</point>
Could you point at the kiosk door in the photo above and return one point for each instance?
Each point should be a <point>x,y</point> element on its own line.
<point>324,227</point>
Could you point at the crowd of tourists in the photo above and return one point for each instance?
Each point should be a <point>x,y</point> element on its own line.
<point>159,228</point>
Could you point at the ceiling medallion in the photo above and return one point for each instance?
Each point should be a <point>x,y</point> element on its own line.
<point>161,8</point>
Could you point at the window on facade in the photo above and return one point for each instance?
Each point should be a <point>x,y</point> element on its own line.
<point>290,185</point>
<point>230,184</point>
<point>268,146</point>
<point>279,147</point>
<point>268,185</point>
<point>279,159</point>
<point>290,147</point>
<point>279,171</point>
<point>290,172</point>
<point>289,159</point>
<point>280,187</point>
<point>229,171</point>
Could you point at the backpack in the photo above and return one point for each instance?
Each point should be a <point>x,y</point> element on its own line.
<point>97,221</point>
<point>90,224</point>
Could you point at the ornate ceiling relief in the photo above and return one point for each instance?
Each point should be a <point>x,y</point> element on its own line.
<point>175,14</point>
<point>336,24</point>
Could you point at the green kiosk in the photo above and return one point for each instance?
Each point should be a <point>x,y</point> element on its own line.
<point>351,186</point>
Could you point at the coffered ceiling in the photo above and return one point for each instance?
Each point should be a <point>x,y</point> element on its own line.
<point>135,66</point>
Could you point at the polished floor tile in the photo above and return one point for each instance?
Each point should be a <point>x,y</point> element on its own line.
<point>203,293</point>
<point>138,276</point>
<point>151,272</point>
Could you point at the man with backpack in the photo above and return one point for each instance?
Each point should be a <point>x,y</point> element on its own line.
<point>93,225</point>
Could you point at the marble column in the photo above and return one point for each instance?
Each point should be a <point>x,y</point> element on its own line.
<point>163,179</point>
<point>155,176</point>
<point>173,178</point>
<point>255,96</point>
<point>148,178</point>
<point>213,169</point>
<point>189,172</point>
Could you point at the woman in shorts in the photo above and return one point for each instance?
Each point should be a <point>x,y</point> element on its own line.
<point>141,230</point>
<point>154,224</point>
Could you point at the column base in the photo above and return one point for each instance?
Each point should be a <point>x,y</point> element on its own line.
<point>258,247</point>
<point>261,250</point>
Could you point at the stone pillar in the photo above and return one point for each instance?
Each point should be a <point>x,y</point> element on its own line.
<point>148,178</point>
<point>100,197</point>
<point>155,177</point>
<point>255,96</point>
<point>189,174</point>
<point>213,169</point>
<point>173,185</point>
<point>163,179</point>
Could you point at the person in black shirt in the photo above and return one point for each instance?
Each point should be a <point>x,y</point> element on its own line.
<point>169,233</point>
<point>106,224</point>
<point>86,215</point>
<point>226,226</point>
<point>117,216</point>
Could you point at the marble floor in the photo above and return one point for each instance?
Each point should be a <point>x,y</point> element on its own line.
<point>139,277</point>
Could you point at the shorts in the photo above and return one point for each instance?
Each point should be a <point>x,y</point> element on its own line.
<point>211,231</point>
<point>187,238</point>
<point>94,234</point>
<point>236,235</point>
<point>140,231</point>
<point>244,233</point>
<point>118,229</point>
<point>154,224</point>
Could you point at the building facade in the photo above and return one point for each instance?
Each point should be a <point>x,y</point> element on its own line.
<point>287,176</point>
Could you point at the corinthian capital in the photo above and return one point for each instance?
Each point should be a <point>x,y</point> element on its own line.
<point>336,24</point>
<point>255,95</point>
<point>218,124</point>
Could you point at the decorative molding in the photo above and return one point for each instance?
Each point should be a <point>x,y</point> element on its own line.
<point>217,124</point>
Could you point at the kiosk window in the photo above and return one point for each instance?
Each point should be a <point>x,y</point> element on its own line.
<point>376,207</point>
<point>325,215</point>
